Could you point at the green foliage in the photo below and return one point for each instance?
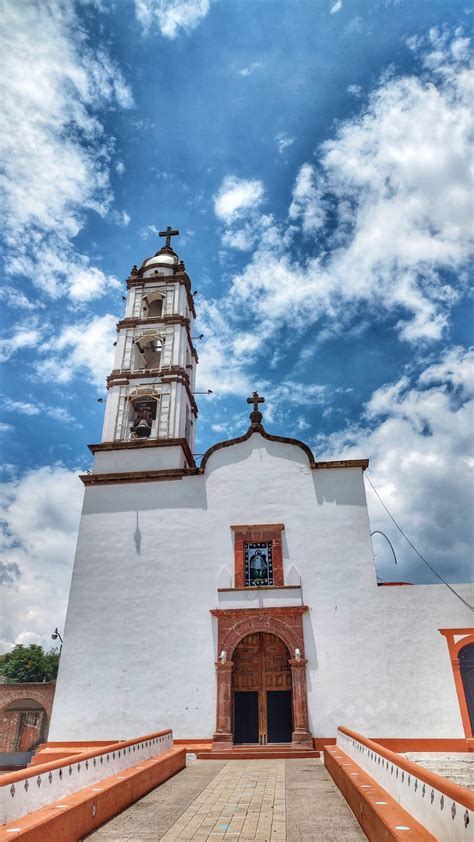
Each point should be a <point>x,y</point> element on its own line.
<point>30,663</point>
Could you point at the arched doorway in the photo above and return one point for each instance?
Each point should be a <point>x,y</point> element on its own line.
<point>262,690</point>
<point>466,665</point>
<point>30,721</point>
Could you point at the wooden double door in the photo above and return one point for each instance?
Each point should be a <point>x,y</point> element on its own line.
<point>261,684</point>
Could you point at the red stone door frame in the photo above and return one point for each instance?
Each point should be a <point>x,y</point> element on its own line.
<point>235,624</point>
<point>457,639</point>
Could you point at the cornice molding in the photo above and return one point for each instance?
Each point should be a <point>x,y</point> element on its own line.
<point>280,611</point>
<point>135,476</point>
<point>257,428</point>
<point>258,527</point>
<point>179,473</point>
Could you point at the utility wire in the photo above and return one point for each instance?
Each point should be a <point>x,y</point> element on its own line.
<point>471,607</point>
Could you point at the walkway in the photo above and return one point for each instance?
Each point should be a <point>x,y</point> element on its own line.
<point>261,800</point>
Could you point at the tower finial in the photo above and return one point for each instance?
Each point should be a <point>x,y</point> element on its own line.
<point>170,232</point>
<point>256,415</point>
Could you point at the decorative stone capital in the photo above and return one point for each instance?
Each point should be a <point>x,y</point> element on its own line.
<point>227,666</point>
<point>298,663</point>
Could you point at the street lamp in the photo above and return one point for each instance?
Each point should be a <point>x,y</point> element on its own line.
<point>55,636</point>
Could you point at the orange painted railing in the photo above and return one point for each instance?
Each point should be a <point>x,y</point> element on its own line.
<point>41,768</point>
<point>449,788</point>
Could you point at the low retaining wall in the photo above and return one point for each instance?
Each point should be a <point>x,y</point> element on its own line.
<point>31,789</point>
<point>73,818</point>
<point>379,815</point>
<point>444,808</point>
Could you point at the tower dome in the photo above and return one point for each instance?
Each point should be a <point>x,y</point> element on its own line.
<point>165,261</point>
<point>162,263</point>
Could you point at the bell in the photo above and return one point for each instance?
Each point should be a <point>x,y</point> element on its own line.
<point>143,429</point>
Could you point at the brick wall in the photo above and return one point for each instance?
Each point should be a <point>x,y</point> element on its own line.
<point>20,730</point>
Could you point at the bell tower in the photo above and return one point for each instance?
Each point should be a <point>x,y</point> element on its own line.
<point>151,411</point>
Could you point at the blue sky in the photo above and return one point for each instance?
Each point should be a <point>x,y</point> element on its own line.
<point>316,158</point>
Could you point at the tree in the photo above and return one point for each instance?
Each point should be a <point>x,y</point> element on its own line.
<point>30,663</point>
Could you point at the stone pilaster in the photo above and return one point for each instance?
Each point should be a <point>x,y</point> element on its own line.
<point>301,736</point>
<point>223,737</point>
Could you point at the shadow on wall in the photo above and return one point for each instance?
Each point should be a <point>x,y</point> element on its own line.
<point>186,493</point>
<point>190,492</point>
<point>344,487</point>
<point>309,651</point>
<point>137,536</point>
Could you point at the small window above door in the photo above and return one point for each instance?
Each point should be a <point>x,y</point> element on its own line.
<point>258,555</point>
<point>258,563</point>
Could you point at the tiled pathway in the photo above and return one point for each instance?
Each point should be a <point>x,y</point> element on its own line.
<point>251,800</point>
<point>246,800</point>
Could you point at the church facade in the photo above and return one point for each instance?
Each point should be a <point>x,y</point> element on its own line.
<point>237,600</point>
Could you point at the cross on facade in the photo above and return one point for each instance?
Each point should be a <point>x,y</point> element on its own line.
<point>255,399</point>
<point>168,234</point>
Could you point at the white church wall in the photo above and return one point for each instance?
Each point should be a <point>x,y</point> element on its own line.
<point>140,643</point>
<point>146,459</point>
<point>260,598</point>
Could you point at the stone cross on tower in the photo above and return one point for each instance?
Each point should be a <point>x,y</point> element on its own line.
<point>168,234</point>
<point>256,415</point>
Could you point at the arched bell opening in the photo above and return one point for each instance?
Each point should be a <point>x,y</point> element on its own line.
<point>143,414</point>
<point>152,305</point>
<point>148,351</point>
<point>262,690</point>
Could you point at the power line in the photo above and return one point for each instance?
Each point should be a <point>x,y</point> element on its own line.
<point>471,607</point>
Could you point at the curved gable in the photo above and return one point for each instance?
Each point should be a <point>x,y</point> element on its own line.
<point>240,439</point>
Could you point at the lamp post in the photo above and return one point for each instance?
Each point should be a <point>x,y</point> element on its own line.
<point>55,636</point>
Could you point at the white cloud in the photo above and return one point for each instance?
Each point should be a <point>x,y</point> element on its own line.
<point>336,7</point>
<point>289,393</point>
<point>16,299</point>
<point>59,269</point>
<point>36,408</point>
<point>89,282</point>
<point>384,215</point>
<point>6,428</point>
<point>387,207</point>
<point>38,539</point>
<point>120,167</point>
<point>55,153</point>
<point>306,205</point>
<point>25,335</point>
<point>171,16</point>
<point>121,218</point>
<point>355,90</point>
<point>250,68</point>
<point>284,141</point>
<point>150,231</point>
<point>81,349</point>
<point>220,363</point>
<point>237,196</point>
<point>418,435</point>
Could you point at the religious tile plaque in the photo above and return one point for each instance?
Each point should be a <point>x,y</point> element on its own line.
<point>258,564</point>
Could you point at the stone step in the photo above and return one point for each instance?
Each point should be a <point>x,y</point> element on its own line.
<point>454,766</point>
<point>259,753</point>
